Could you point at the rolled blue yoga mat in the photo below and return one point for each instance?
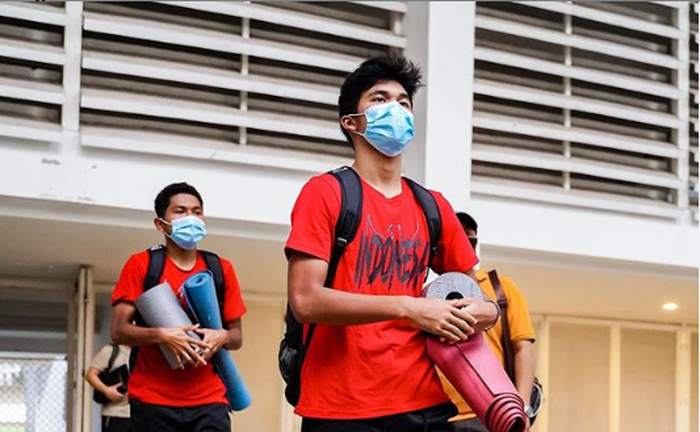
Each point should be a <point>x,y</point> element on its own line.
<point>200,294</point>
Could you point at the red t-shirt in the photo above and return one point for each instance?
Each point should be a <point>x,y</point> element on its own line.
<point>152,380</point>
<point>378,369</point>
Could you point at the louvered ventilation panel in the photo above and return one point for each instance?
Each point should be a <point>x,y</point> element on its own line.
<point>574,105</point>
<point>693,100</point>
<point>211,74</point>
<point>31,68</point>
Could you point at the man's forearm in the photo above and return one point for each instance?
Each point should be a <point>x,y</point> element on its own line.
<point>234,335</point>
<point>133,335</point>
<point>335,307</point>
<point>341,308</point>
<point>124,332</point>
<point>485,312</point>
<point>94,380</point>
<point>311,302</point>
<point>524,369</point>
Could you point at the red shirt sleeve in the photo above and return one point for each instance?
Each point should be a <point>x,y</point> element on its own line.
<point>313,218</point>
<point>455,253</point>
<point>130,284</point>
<point>234,307</point>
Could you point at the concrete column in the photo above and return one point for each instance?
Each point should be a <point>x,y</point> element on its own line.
<point>441,41</point>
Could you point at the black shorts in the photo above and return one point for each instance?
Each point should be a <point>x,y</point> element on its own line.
<point>157,418</point>
<point>116,424</point>
<point>433,419</point>
<point>471,425</point>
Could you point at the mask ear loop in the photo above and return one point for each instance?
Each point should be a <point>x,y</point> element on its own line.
<point>352,131</point>
<point>167,223</point>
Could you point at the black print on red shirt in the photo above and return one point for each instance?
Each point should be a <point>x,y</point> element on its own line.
<point>390,257</point>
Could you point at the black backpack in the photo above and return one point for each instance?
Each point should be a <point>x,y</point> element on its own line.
<point>111,377</point>
<point>293,348</point>
<point>156,264</point>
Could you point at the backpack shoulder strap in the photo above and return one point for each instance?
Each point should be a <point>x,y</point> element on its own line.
<point>345,227</point>
<point>498,289</point>
<point>348,218</point>
<point>112,356</point>
<point>214,265</point>
<point>508,353</point>
<point>156,264</point>
<point>432,214</point>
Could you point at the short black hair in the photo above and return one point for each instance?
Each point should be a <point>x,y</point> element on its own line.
<point>467,221</point>
<point>163,198</point>
<point>390,67</point>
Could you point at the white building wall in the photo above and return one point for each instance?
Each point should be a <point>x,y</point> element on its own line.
<point>440,39</point>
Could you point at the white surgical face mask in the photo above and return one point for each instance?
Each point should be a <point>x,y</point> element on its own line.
<point>389,127</point>
<point>187,231</point>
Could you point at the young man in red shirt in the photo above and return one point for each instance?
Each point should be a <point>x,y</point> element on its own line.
<point>366,368</point>
<point>191,398</point>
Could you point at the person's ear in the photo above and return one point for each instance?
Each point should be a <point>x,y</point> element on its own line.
<point>349,124</point>
<point>159,225</point>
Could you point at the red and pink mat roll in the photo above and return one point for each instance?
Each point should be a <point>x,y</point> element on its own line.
<point>472,368</point>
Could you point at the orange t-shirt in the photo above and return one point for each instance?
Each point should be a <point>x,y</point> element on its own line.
<point>152,380</point>
<point>378,369</point>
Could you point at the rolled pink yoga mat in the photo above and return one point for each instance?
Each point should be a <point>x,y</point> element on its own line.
<point>472,368</point>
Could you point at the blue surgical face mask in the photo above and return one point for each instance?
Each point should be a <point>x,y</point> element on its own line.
<point>389,128</point>
<point>187,231</point>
